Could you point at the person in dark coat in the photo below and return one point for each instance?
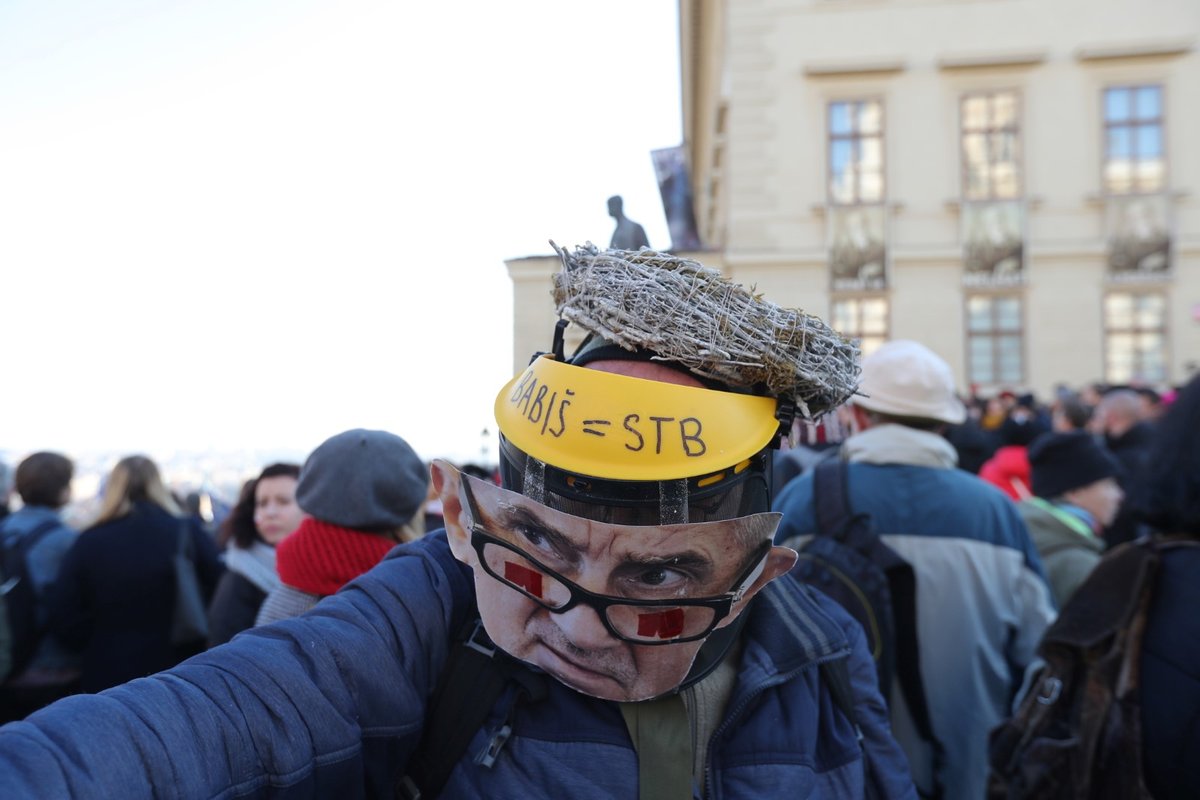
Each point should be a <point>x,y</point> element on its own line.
<point>973,444</point>
<point>1128,437</point>
<point>265,514</point>
<point>115,595</point>
<point>1169,501</point>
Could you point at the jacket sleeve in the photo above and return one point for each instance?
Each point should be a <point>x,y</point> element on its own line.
<point>887,768</point>
<point>303,708</point>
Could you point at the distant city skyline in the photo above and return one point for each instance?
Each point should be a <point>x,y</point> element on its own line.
<point>222,472</point>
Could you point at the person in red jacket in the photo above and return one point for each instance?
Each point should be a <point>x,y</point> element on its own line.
<point>1008,468</point>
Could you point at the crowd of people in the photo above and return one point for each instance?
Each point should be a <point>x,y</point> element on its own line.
<point>615,612</point>
<point>1002,507</point>
<point>102,600</point>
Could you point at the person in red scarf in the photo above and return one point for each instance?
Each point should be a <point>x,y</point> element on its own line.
<point>364,491</point>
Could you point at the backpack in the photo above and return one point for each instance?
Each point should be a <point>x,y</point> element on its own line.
<point>846,560</point>
<point>474,677</point>
<point>1077,731</point>
<point>20,597</point>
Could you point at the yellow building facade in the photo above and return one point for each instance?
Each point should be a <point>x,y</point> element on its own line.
<point>1012,182</point>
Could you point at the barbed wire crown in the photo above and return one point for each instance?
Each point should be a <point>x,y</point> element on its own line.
<point>690,314</point>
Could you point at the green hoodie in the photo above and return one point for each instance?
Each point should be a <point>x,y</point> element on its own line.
<point>1068,548</point>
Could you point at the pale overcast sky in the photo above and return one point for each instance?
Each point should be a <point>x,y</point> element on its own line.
<point>252,224</point>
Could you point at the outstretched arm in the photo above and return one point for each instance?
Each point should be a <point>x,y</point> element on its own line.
<point>304,707</point>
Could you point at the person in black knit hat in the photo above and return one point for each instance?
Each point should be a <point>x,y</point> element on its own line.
<point>1076,495</point>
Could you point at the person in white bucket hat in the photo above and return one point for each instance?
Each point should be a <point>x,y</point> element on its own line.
<point>906,379</point>
<point>982,601</point>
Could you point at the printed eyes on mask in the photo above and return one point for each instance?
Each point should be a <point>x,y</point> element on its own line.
<point>647,579</point>
<point>633,581</point>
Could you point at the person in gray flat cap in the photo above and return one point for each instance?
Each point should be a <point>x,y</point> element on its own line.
<point>364,491</point>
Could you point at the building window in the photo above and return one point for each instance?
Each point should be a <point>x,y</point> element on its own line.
<point>990,146</point>
<point>862,318</point>
<point>1134,161</point>
<point>1135,337</point>
<point>995,340</point>
<point>993,215</point>
<point>856,152</point>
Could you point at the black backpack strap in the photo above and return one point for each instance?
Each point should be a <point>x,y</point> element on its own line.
<point>836,518</point>
<point>903,584</point>
<point>14,563</point>
<point>475,676</point>
<point>831,497</point>
<point>26,627</point>
<point>24,543</point>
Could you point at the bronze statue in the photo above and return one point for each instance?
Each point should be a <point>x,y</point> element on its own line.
<point>628,234</point>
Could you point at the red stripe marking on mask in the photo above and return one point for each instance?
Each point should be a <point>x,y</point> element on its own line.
<point>663,624</point>
<point>528,579</point>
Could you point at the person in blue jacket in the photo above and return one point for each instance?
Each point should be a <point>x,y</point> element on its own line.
<point>622,580</point>
<point>982,601</point>
<point>37,529</point>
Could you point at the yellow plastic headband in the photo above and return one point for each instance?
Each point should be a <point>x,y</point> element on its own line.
<point>619,428</point>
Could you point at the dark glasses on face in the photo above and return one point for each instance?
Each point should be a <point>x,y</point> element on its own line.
<point>630,619</point>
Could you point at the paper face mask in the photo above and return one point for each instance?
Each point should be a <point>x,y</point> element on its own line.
<point>614,611</point>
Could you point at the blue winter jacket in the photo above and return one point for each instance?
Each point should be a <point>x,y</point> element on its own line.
<point>331,704</point>
<point>982,600</point>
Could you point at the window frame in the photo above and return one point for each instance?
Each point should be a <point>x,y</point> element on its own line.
<point>1134,123</point>
<point>855,136</point>
<point>988,131</point>
<point>1163,329</point>
<point>993,334</point>
<point>859,298</point>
